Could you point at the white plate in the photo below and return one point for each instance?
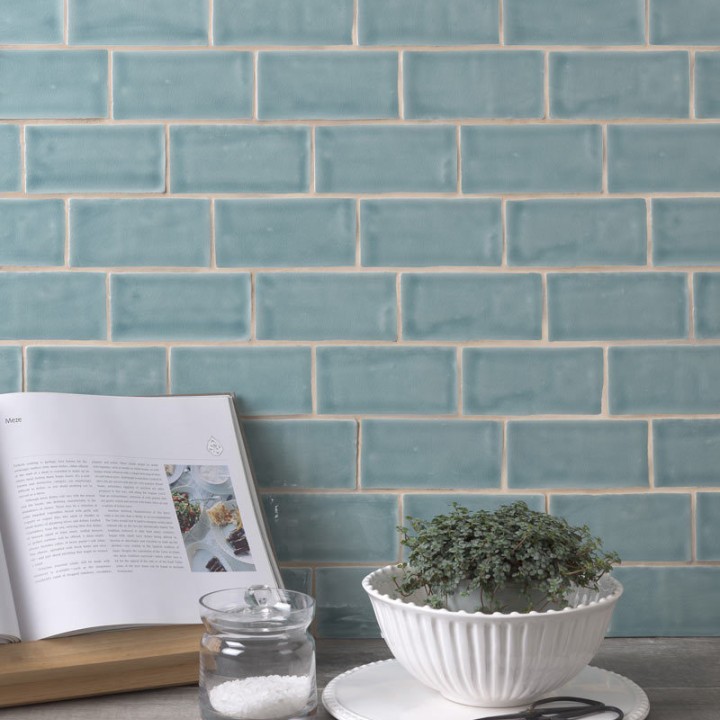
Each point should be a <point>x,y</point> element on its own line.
<point>176,473</point>
<point>220,533</point>
<point>200,554</point>
<point>385,691</point>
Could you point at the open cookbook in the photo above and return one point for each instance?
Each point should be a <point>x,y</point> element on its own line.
<point>122,511</point>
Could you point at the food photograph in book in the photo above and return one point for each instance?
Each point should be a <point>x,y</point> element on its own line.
<point>209,517</point>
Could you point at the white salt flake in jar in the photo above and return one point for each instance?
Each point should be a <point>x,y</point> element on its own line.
<point>261,698</point>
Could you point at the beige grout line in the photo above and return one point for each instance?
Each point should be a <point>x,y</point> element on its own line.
<point>503,233</point>
<point>605,395</point>
<point>649,231</point>
<point>504,459</point>
<point>651,456</point>
<point>313,381</point>
<point>66,23</point>
<point>546,85</point>
<point>313,162</point>
<point>358,454</point>
<point>691,305</point>
<point>168,371</point>
<point>255,92</point>
<point>693,527</point>
<point>501,23</point>
<point>604,159</point>
<point>545,319</point>
<point>647,23</point>
<point>253,308</point>
<point>398,305</point>
<point>211,22</point>
<point>213,244</point>
<point>358,234</point>
<point>66,253</point>
<point>108,306</point>
<point>168,189</point>
<point>401,85</point>
<point>110,94</point>
<point>355,28</point>
<point>23,368</point>
<point>692,85</point>
<point>23,159</point>
<point>458,141</point>
<point>459,361</point>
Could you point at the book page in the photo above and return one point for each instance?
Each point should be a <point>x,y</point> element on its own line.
<point>124,511</point>
<point>9,628</point>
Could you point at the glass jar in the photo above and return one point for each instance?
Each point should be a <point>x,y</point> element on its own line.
<point>257,658</point>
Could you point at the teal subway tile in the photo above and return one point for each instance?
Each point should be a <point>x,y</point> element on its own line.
<point>232,158</point>
<point>343,607</point>
<point>686,453</point>
<point>460,306</point>
<point>583,454</point>
<point>663,158</point>
<point>325,306</point>
<point>283,22</point>
<point>619,84</point>
<point>431,454</point>
<point>532,381</point>
<point>574,22</point>
<point>667,601</point>
<point>427,505</point>
<point>707,304</point>
<point>32,232</point>
<point>386,159</point>
<point>473,84</point>
<point>333,527</point>
<point>180,306</point>
<point>166,232</point>
<point>213,84</point>
<point>707,85</point>
<point>412,380</point>
<point>265,380</point>
<point>54,83</point>
<point>138,22</point>
<point>576,232</point>
<point>639,527</point>
<point>327,85</point>
<point>684,22</point>
<point>684,380</point>
<point>95,158</point>
<point>31,21</point>
<point>97,370</point>
<point>303,453</point>
<point>285,233</point>
<point>428,22</point>
<point>420,233</point>
<point>617,306</point>
<point>52,306</point>
<point>9,158</point>
<point>708,520</point>
<point>531,158</point>
<point>10,369</point>
<point>297,579</point>
<point>685,231</point>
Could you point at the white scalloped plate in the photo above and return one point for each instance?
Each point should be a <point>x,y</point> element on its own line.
<point>385,691</point>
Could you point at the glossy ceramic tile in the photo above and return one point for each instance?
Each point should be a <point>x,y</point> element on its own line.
<point>663,158</point>
<point>9,158</point>
<point>582,454</point>
<point>619,85</point>
<point>617,306</point>
<point>138,22</point>
<point>283,22</point>
<point>382,380</point>
<point>708,516</point>
<point>421,233</point>
<point>574,22</point>
<point>266,381</point>
<point>427,22</point>
<point>684,22</point>
<point>571,233</point>
<point>237,158</point>
<point>54,84</point>
<point>285,233</point>
<point>95,158</point>
<point>686,453</point>
<point>31,21</point>
<point>325,306</point>
<point>180,306</point>
<point>431,454</point>
<point>52,305</point>
<point>707,304</point>
<point>455,306</point>
<point>32,232</point>
<point>343,607</point>
<point>172,232</point>
<point>639,527</point>
<point>525,381</point>
<point>707,87</point>
<point>683,380</point>
<point>355,528</point>
<point>684,231</point>
<point>667,601</point>
<point>531,158</point>
<point>297,579</point>
<point>10,369</point>
<point>303,453</point>
<point>386,159</point>
<point>324,84</point>
<point>192,85</point>
<point>97,370</point>
<point>473,84</point>
<point>426,505</point>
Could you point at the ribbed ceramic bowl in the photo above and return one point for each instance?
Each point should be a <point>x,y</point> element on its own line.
<point>497,660</point>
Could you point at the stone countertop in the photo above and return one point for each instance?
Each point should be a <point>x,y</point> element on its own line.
<point>680,675</point>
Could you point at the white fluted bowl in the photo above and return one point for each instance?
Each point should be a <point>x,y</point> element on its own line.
<point>497,660</point>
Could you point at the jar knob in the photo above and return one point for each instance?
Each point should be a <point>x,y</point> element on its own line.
<point>262,596</point>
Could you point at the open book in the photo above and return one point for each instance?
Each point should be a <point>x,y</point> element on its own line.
<point>122,511</point>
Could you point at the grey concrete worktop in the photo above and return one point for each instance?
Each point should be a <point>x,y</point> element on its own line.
<point>681,677</point>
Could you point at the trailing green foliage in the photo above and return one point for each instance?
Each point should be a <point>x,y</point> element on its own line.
<point>515,548</point>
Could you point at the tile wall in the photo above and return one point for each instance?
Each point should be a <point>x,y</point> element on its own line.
<point>440,249</point>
